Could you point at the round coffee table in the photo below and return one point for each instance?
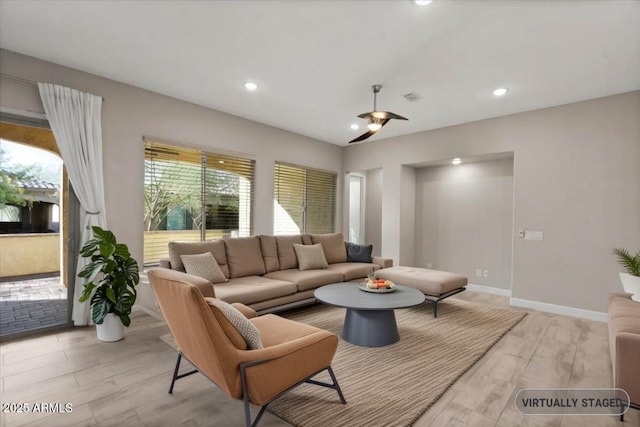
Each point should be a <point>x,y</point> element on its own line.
<point>370,320</point>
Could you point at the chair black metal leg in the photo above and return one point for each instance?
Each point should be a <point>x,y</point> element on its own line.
<point>245,394</point>
<point>337,386</point>
<point>435,309</point>
<point>175,373</point>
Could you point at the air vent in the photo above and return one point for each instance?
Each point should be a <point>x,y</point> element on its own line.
<point>412,97</point>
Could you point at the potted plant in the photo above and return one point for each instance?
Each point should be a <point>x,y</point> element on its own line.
<point>110,280</point>
<point>631,278</point>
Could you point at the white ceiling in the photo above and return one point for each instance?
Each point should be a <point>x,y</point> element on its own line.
<point>315,61</point>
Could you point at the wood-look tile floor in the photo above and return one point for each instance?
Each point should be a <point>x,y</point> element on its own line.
<point>125,383</point>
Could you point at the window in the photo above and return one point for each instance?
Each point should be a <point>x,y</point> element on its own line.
<point>304,200</point>
<point>193,195</point>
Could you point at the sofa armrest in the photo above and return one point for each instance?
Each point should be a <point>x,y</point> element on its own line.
<point>382,262</point>
<point>248,312</point>
<point>626,367</point>
<point>165,263</point>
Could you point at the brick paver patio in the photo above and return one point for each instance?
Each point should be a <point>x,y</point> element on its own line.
<point>32,304</point>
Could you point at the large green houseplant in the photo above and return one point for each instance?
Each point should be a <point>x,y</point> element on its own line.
<point>110,280</point>
<point>631,278</point>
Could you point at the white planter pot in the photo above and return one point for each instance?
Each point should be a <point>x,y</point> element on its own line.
<point>111,329</point>
<point>631,285</point>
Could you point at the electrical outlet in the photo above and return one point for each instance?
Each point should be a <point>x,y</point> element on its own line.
<point>478,273</point>
<point>429,265</point>
<point>485,273</point>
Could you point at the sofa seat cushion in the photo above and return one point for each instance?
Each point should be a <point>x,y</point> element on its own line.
<point>430,282</point>
<point>353,270</point>
<point>244,256</point>
<point>308,279</point>
<point>252,289</point>
<point>277,330</point>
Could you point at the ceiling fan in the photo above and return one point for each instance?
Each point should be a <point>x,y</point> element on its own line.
<point>377,119</point>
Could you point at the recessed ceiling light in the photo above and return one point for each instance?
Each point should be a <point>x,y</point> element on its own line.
<point>500,91</point>
<point>354,126</point>
<point>456,161</point>
<point>422,2</point>
<point>250,86</point>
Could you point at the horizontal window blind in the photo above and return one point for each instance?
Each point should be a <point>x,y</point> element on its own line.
<point>193,195</point>
<point>304,200</point>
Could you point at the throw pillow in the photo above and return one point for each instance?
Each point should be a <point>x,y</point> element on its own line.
<point>359,253</point>
<point>203,265</point>
<point>310,257</point>
<point>248,330</point>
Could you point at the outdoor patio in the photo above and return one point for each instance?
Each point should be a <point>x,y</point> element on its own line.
<point>31,304</point>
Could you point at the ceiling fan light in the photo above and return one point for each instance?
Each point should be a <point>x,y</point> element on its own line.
<point>374,126</point>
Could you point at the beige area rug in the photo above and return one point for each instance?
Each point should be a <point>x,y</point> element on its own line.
<point>394,385</point>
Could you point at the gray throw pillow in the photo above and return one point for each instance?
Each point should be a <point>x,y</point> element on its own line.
<point>359,253</point>
<point>310,257</point>
<point>248,330</point>
<point>205,266</point>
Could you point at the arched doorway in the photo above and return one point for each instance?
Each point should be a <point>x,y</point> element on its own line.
<point>34,272</point>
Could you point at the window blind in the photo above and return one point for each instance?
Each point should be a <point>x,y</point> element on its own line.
<point>193,195</point>
<point>304,200</point>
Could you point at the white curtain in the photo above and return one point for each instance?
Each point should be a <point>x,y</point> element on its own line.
<point>74,118</point>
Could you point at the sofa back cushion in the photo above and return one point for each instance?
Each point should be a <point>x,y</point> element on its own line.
<point>333,245</point>
<point>244,256</point>
<point>216,247</point>
<point>270,253</point>
<point>286,254</point>
<point>359,253</point>
<point>310,257</point>
<point>205,266</point>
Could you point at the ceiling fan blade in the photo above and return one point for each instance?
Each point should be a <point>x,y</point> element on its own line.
<point>369,133</point>
<point>388,115</point>
<point>381,115</point>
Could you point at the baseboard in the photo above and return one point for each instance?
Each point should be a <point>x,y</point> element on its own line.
<point>489,290</point>
<point>560,309</point>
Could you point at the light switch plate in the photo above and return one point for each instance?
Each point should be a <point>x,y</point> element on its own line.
<point>533,235</point>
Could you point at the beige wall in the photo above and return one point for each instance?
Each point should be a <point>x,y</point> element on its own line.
<point>576,178</point>
<point>24,254</point>
<point>464,220</point>
<point>128,113</point>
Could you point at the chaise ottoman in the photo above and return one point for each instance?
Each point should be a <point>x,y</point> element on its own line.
<point>434,284</point>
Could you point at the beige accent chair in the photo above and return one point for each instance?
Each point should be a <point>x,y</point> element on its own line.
<point>292,352</point>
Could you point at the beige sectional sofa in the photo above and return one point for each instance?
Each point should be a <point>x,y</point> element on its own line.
<point>624,344</point>
<point>263,271</point>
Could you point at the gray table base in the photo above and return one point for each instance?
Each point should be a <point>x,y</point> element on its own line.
<point>370,328</point>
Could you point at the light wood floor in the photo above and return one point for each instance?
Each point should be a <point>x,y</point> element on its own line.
<point>125,383</point>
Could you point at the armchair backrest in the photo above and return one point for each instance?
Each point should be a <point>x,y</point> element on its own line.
<point>196,330</point>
